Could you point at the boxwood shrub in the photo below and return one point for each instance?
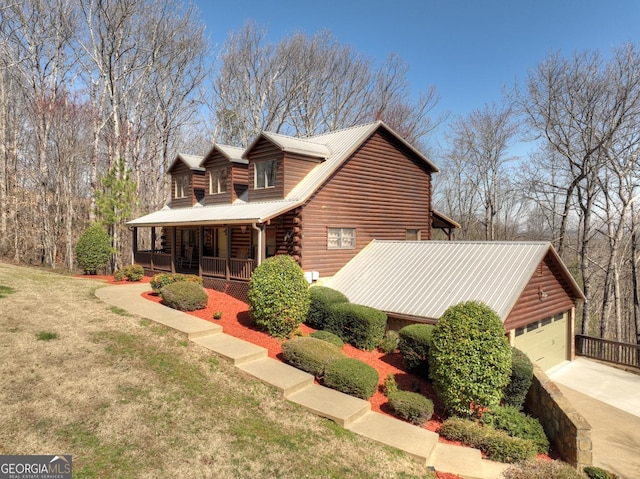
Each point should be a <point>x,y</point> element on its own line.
<point>133,272</point>
<point>411,406</point>
<point>520,381</point>
<point>469,358</point>
<point>329,337</point>
<point>517,424</point>
<point>310,354</point>
<point>278,296</point>
<point>184,296</point>
<point>414,344</point>
<point>161,280</point>
<point>498,445</point>
<point>360,326</point>
<point>93,249</point>
<point>351,376</point>
<point>322,299</point>
<point>389,342</point>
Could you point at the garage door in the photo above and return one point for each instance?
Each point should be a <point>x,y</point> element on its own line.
<point>545,341</point>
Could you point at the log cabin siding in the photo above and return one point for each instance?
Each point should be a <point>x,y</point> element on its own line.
<point>264,150</point>
<point>239,176</point>
<point>214,162</point>
<point>295,168</point>
<point>530,307</point>
<point>189,198</point>
<point>381,191</point>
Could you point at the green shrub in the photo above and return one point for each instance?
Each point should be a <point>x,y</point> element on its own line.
<point>93,249</point>
<point>161,280</point>
<point>351,376</point>
<point>310,354</point>
<point>599,473</point>
<point>360,326</point>
<point>329,337</point>
<point>390,384</point>
<point>541,469</point>
<point>469,360</point>
<point>278,296</point>
<point>322,298</point>
<point>133,272</point>
<point>520,381</point>
<point>184,296</point>
<point>389,342</point>
<point>498,445</point>
<point>414,344</point>
<point>517,424</point>
<point>118,275</point>
<point>411,406</point>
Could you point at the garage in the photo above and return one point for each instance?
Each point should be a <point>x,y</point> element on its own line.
<point>545,341</point>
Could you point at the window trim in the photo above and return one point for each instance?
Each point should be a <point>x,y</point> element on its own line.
<point>181,183</point>
<point>341,238</point>
<point>219,175</point>
<point>265,175</point>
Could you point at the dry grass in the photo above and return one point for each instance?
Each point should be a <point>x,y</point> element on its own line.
<point>128,398</point>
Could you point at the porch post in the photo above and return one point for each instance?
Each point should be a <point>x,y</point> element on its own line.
<point>200,248</point>
<point>173,249</point>
<point>228,262</point>
<point>153,246</point>
<point>134,245</point>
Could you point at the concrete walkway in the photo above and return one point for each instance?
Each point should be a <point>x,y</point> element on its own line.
<point>609,399</point>
<point>297,386</point>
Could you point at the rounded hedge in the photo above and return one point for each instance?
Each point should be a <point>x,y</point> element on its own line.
<point>351,376</point>
<point>133,272</point>
<point>516,391</point>
<point>310,354</point>
<point>184,296</point>
<point>161,280</point>
<point>389,342</point>
<point>278,296</point>
<point>517,424</point>
<point>328,337</point>
<point>360,326</point>
<point>414,344</point>
<point>411,406</point>
<point>322,299</point>
<point>93,249</point>
<point>469,359</point>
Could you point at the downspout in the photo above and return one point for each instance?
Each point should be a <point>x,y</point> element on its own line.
<point>260,232</point>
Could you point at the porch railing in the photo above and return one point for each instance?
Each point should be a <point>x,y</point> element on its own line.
<point>626,354</point>
<point>154,261</point>
<point>217,267</point>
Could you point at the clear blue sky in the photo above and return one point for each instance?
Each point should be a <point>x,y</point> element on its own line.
<point>468,49</point>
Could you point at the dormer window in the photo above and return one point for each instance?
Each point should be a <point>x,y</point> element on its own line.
<point>181,186</point>
<point>265,174</point>
<point>217,181</point>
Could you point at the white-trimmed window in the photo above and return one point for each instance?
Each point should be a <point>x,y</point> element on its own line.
<point>265,174</point>
<point>181,186</point>
<point>341,238</point>
<point>217,181</point>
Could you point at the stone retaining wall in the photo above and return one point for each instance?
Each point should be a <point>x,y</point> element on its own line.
<point>568,432</point>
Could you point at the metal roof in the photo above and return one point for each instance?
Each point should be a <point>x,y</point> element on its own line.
<point>232,153</point>
<point>238,212</point>
<point>192,161</point>
<point>424,278</point>
<point>293,145</point>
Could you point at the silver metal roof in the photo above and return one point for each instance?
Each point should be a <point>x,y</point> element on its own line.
<point>192,161</point>
<point>232,153</point>
<point>424,278</point>
<point>238,212</point>
<point>293,145</point>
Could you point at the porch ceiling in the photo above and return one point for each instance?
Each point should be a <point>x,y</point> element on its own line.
<point>238,213</point>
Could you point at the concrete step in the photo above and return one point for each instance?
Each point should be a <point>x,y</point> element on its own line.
<point>413,440</point>
<point>466,462</point>
<point>493,470</point>
<point>339,407</point>
<point>236,350</point>
<point>283,377</point>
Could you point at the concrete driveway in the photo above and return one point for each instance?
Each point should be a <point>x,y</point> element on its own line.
<point>609,399</point>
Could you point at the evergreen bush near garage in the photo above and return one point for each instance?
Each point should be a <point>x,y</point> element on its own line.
<point>360,326</point>
<point>322,299</point>
<point>389,342</point>
<point>498,445</point>
<point>351,376</point>
<point>414,345</point>
<point>541,469</point>
<point>93,249</point>
<point>184,296</point>
<point>329,337</point>
<point>161,280</point>
<point>469,359</point>
<point>517,424</point>
<point>310,354</point>
<point>520,381</point>
<point>411,406</point>
<point>278,296</point>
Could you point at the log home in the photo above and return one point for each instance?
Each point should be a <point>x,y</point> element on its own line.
<point>320,199</point>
